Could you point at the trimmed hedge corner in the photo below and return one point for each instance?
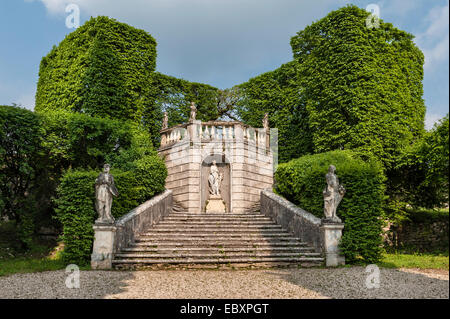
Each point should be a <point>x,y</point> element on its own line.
<point>302,181</point>
<point>76,201</point>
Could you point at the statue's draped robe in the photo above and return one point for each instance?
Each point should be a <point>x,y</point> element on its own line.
<point>213,180</point>
<point>104,191</point>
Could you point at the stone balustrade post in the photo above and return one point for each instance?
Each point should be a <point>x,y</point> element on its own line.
<point>103,251</point>
<point>331,234</point>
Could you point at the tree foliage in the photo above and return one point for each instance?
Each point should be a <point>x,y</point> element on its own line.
<point>349,87</point>
<point>277,93</point>
<point>103,69</point>
<point>20,155</point>
<point>420,177</point>
<point>362,86</point>
<point>302,181</point>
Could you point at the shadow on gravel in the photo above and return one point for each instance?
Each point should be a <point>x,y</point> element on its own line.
<point>350,283</point>
<point>52,285</point>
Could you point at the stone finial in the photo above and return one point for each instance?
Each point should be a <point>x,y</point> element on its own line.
<point>104,192</point>
<point>265,121</point>
<point>332,195</point>
<point>165,123</point>
<point>193,112</point>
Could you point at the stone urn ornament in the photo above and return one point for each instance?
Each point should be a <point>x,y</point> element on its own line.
<point>104,192</point>
<point>332,196</point>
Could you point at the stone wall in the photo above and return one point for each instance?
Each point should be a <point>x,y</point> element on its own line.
<point>420,236</point>
<point>140,218</point>
<point>187,148</point>
<point>297,221</point>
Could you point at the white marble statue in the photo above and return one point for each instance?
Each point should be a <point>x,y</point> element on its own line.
<point>214,179</point>
<point>104,192</point>
<point>332,195</point>
<point>165,123</point>
<point>193,112</point>
<point>265,122</point>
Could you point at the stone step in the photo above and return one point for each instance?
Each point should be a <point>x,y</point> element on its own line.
<point>211,231</point>
<point>218,244</point>
<point>252,224</point>
<point>217,219</point>
<point>217,260</point>
<point>217,249</point>
<point>224,237</point>
<point>214,255</point>
<point>243,215</point>
<point>218,266</point>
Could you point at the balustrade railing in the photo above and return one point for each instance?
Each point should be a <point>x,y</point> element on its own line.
<point>214,131</point>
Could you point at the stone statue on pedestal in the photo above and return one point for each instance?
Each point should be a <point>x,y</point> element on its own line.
<point>265,122</point>
<point>332,195</point>
<point>215,203</point>
<point>165,123</point>
<point>214,180</point>
<point>193,112</point>
<point>104,192</point>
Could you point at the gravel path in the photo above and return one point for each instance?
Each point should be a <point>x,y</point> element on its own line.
<point>194,284</point>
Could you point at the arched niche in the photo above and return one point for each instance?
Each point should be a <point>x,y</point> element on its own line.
<point>225,188</point>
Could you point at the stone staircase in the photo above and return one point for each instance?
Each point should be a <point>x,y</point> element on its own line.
<point>205,240</point>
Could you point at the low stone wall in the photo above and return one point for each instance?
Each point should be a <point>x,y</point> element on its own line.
<point>418,236</point>
<point>140,218</point>
<point>297,221</point>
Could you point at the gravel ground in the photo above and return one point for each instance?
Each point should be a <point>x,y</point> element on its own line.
<point>194,284</point>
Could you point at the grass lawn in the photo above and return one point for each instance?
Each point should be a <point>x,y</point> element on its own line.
<point>422,261</point>
<point>24,265</point>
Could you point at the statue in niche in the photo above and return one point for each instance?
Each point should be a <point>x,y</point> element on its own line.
<point>193,112</point>
<point>214,180</point>
<point>165,123</point>
<point>332,195</point>
<point>104,192</point>
<point>265,122</point>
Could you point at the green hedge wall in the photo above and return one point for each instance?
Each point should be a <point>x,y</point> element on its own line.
<point>277,93</point>
<point>21,157</point>
<point>103,69</point>
<point>302,181</point>
<point>75,201</point>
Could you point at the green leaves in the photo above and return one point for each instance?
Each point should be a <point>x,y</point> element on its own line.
<point>363,86</point>
<point>21,156</point>
<point>302,181</point>
<point>75,201</point>
<point>103,69</point>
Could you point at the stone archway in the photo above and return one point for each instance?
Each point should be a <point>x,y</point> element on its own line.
<point>225,189</point>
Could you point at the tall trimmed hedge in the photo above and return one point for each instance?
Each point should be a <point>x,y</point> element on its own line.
<point>21,157</point>
<point>348,87</point>
<point>302,181</point>
<point>76,201</point>
<point>278,93</point>
<point>103,69</point>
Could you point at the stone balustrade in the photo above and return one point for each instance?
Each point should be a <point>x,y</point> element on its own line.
<point>214,130</point>
<point>319,233</point>
<point>111,238</point>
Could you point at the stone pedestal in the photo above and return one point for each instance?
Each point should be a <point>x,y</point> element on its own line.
<point>331,236</point>
<point>215,204</point>
<point>102,253</point>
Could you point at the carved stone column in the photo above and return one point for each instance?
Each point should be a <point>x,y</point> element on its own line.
<point>103,251</point>
<point>331,234</point>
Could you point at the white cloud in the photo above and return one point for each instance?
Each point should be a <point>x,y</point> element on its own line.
<point>219,42</point>
<point>434,41</point>
<point>431,119</point>
<point>26,100</point>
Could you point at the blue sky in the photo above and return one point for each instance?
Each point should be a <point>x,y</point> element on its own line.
<point>219,42</point>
